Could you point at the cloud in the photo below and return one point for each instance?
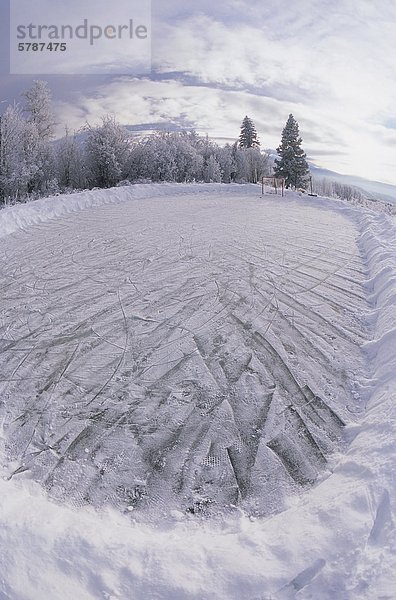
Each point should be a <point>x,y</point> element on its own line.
<point>331,59</point>
<point>344,145</point>
<point>236,56</point>
<point>330,63</point>
<point>390,123</point>
<point>95,40</point>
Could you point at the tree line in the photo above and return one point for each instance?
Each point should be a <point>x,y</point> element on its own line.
<point>32,164</point>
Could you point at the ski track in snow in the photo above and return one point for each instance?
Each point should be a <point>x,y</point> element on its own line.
<point>202,353</point>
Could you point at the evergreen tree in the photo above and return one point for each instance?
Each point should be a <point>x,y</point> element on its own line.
<point>292,164</point>
<point>248,136</point>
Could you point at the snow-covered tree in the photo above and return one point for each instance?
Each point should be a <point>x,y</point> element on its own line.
<point>40,117</point>
<point>256,164</point>
<point>212,170</point>
<point>156,158</point>
<point>38,106</point>
<point>11,151</point>
<point>167,156</point>
<point>70,162</point>
<point>18,154</point>
<point>189,162</point>
<point>248,136</point>
<point>329,187</point>
<point>251,164</point>
<point>107,152</point>
<point>225,157</point>
<point>292,164</point>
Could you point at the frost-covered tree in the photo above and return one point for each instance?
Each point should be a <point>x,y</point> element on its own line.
<point>70,170</point>
<point>155,158</point>
<point>18,154</point>
<point>11,151</point>
<point>212,170</point>
<point>248,136</point>
<point>292,164</point>
<point>328,187</point>
<point>189,162</point>
<point>40,117</point>
<point>107,152</point>
<point>38,106</point>
<point>251,164</point>
<point>256,164</point>
<point>167,156</point>
<point>225,157</point>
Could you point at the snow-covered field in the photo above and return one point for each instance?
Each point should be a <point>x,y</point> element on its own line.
<point>197,396</point>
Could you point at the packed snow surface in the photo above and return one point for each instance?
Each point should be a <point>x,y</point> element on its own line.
<point>197,396</point>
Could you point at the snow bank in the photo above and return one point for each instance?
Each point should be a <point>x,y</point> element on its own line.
<point>378,243</point>
<point>20,216</point>
<point>333,542</point>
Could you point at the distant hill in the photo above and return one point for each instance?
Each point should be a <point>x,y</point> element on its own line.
<point>370,189</point>
<point>382,191</point>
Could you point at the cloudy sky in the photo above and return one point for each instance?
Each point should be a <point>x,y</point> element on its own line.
<point>332,63</point>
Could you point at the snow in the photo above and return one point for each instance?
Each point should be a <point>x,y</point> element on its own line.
<point>22,215</point>
<point>310,280</point>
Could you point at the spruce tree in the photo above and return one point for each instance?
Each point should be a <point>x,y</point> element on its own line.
<point>292,164</point>
<point>248,136</point>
